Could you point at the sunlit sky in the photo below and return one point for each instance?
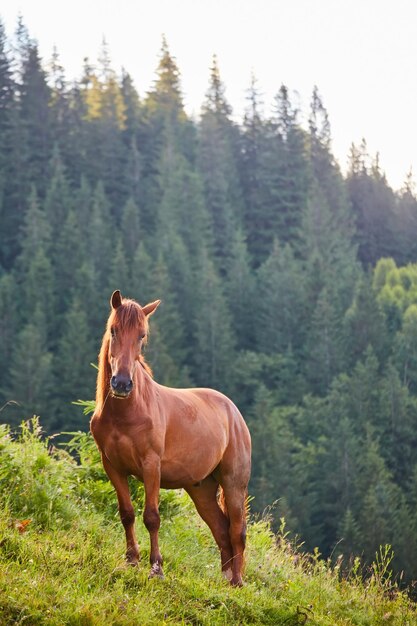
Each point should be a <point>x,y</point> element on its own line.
<point>362,55</point>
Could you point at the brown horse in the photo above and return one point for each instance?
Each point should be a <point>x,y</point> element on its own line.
<point>194,439</point>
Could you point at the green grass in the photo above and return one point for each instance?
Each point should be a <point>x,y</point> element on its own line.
<point>68,568</point>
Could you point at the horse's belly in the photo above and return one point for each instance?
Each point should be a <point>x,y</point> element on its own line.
<point>191,467</point>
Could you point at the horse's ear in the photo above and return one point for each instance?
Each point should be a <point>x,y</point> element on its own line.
<point>150,308</point>
<point>116,299</point>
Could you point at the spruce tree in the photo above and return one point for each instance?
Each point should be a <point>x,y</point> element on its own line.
<point>217,160</point>
<point>35,116</point>
<point>118,269</point>
<point>279,302</point>
<point>68,256</point>
<point>130,230</point>
<point>8,330</point>
<point>364,324</point>
<point>142,288</point>
<point>74,354</point>
<point>182,211</point>
<point>165,127</point>
<point>8,219</point>
<point>240,291</point>
<point>100,239</point>
<point>255,180</point>
<point>214,338</point>
<point>31,376</point>
<point>166,345</point>
<point>288,169</point>
<point>373,204</point>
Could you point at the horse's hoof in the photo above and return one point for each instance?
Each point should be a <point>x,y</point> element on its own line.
<point>156,572</point>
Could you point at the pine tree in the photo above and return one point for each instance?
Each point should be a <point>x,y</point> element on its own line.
<point>7,102</point>
<point>100,240</point>
<point>273,447</point>
<point>182,210</point>
<point>364,324</point>
<point>349,533</point>
<point>142,288</point>
<point>8,330</point>
<point>36,233</point>
<point>31,371</point>
<point>111,123</point>
<point>68,256</point>
<point>130,229</point>
<point>406,221</point>
<point>38,290</point>
<point>279,302</point>
<point>118,269</point>
<point>381,501</point>
<point>60,113</point>
<point>373,204</point>
<point>214,340</point>
<point>183,281</point>
<point>167,94</point>
<point>255,179</point>
<point>240,293</point>
<point>323,346</point>
<point>217,159</point>
<point>165,127</point>
<point>326,244</point>
<point>132,107</point>
<point>288,169</point>
<point>406,348</point>
<point>72,361</point>
<point>166,346</point>
<point>58,197</point>
<point>85,292</point>
<point>35,116</point>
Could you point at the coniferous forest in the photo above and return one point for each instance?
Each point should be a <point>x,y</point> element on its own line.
<point>285,284</point>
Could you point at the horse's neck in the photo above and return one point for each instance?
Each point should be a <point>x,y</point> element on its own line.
<point>144,385</point>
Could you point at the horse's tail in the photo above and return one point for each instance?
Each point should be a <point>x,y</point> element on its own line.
<point>221,500</point>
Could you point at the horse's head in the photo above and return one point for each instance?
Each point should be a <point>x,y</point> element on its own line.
<point>127,328</point>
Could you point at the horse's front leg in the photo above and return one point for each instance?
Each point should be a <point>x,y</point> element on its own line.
<point>152,483</point>
<point>126,510</point>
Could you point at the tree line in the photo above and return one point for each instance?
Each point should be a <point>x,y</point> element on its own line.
<point>288,286</point>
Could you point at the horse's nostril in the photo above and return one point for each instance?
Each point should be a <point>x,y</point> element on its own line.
<point>121,385</point>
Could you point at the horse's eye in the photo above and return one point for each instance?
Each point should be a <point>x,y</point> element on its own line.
<point>113,332</point>
<point>141,337</point>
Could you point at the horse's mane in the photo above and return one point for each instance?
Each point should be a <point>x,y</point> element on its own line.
<point>128,315</point>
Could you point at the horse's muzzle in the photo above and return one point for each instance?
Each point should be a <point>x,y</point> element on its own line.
<point>121,386</point>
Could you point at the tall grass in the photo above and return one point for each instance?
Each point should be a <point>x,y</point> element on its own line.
<point>62,557</point>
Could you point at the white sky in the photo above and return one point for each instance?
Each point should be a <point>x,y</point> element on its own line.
<point>362,54</point>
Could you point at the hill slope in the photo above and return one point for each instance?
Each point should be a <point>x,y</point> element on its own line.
<point>65,565</point>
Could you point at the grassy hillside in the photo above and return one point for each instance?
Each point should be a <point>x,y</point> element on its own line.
<point>62,545</point>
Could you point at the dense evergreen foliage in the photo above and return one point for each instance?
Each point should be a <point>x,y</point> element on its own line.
<point>284,284</point>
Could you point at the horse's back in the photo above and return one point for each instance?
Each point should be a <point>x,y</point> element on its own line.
<point>204,406</point>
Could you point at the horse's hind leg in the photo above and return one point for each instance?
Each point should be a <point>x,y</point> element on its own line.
<point>205,499</point>
<point>235,498</point>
